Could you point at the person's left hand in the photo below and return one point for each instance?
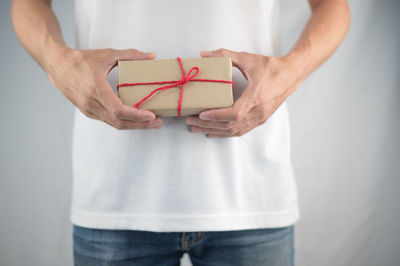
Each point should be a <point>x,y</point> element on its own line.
<point>270,81</point>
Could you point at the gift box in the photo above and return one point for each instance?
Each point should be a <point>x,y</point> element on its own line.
<point>176,87</point>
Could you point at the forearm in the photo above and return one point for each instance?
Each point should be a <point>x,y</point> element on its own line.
<point>321,36</point>
<point>37,29</point>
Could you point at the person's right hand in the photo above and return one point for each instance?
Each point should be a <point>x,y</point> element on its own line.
<point>81,75</point>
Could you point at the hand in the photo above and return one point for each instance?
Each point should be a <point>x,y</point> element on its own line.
<point>81,75</point>
<point>270,81</point>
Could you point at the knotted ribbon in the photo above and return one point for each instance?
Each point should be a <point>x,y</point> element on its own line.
<point>174,83</point>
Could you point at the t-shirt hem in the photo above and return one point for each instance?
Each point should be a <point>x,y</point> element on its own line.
<point>184,223</point>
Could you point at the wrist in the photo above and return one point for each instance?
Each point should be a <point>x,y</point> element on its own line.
<point>298,61</point>
<point>55,51</point>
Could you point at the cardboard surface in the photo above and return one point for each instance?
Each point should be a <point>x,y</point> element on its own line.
<point>197,96</point>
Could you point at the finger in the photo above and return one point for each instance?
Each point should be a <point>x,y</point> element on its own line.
<point>250,126</point>
<point>96,110</point>
<point>123,55</point>
<point>231,130</point>
<point>125,124</point>
<point>112,102</point>
<point>133,54</point>
<point>196,129</point>
<point>196,121</point>
<point>222,52</point>
<point>236,113</point>
<point>117,109</point>
<point>257,112</point>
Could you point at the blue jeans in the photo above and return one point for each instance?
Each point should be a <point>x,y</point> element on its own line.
<point>255,247</point>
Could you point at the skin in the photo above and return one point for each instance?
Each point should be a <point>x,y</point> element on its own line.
<point>82,77</point>
<point>272,79</point>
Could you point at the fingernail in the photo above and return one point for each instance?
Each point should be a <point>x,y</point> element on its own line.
<point>204,117</point>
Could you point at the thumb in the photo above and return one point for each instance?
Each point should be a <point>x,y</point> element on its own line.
<point>112,56</point>
<point>206,53</point>
<point>237,58</point>
<point>133,54</point>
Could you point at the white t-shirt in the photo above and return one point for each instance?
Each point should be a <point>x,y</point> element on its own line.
<point>171,179</point>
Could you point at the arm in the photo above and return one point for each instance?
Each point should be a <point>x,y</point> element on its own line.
<point>321,36</point>
<point>81,75</point>
<point>272,79</point>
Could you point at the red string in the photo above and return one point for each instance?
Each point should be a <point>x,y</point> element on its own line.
<point>173,83</point>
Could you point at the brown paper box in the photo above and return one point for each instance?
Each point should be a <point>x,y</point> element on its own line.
<point>197,96</point>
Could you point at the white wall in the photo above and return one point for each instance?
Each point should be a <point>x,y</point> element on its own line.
<point>345,130</point>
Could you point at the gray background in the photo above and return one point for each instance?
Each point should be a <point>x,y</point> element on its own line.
<point>345,129</point>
